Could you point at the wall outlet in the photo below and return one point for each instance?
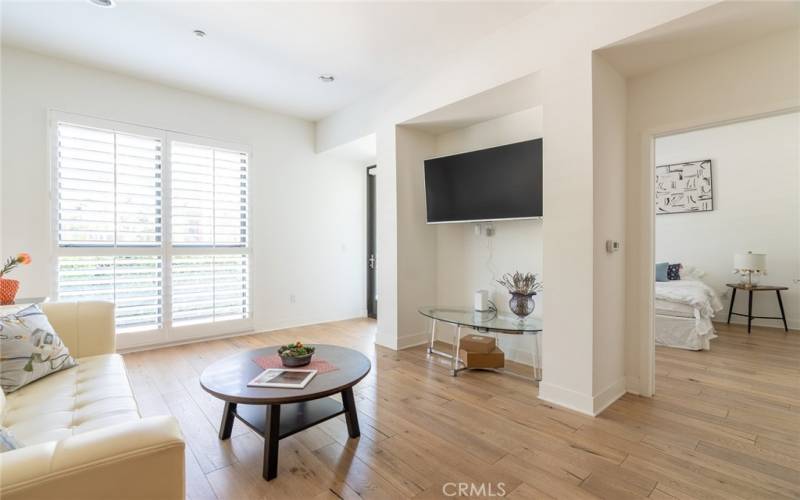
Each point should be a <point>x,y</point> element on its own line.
<point>292,299</point>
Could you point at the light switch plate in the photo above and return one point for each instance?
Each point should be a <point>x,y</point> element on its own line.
<point>612,246</point>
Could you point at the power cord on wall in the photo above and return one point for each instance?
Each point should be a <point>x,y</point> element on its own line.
<point>490,257</point>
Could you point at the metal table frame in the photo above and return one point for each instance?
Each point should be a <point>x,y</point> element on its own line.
<point>749,315</point>
<point>455,360</point>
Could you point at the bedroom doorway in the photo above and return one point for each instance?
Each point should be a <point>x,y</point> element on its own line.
<point>726,200</point>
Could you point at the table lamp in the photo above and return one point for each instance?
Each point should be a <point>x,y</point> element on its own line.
<point>748,264</point>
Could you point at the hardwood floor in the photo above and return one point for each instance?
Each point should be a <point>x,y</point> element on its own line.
<point>724,424</point>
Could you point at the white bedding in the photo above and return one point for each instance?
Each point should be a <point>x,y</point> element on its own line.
<point>677,302</point>
<point>667,308</point>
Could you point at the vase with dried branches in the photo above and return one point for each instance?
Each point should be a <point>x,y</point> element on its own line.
<point>522,288</point>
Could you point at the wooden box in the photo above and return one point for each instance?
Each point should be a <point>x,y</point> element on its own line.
<point>494,359</point>
<point>477,343</point>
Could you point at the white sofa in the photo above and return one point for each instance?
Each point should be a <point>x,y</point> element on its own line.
<point>82,435</point>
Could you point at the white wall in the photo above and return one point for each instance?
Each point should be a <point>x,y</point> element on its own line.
<point>609,95</point>
<point>308,209</point>
<point>557,40</point>
<point>416,250</point>
<point>467,262</point>
<point>752,79</point>
<point>755,169</point>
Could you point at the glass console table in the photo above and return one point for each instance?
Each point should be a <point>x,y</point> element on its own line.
<point>483,322</point>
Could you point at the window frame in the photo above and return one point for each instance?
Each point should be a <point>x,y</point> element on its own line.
<point>167,333</point>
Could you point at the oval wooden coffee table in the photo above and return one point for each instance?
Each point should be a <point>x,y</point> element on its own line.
<point>278,413</point>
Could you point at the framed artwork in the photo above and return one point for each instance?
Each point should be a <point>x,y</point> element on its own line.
<point>684,187</point>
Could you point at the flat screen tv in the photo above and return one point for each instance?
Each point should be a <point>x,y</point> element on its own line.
<point>492,184</point>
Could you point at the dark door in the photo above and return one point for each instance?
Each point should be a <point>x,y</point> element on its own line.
<point>372,289</point>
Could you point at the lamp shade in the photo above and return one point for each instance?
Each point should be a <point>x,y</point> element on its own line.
<point>750,261</point>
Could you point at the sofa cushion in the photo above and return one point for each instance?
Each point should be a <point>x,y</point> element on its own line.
<point>94,394</point>
<point>31,349</point>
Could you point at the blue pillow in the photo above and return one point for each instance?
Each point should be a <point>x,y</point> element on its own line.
<point>661,271</point>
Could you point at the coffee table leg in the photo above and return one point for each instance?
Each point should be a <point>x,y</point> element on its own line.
<point>350,414</point>
<point>749,311</point>
<point>271,437</point>
<point>226,426</point>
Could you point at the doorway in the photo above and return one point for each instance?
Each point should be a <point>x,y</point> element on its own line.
<point>372,289</point>
<point>703,238</point>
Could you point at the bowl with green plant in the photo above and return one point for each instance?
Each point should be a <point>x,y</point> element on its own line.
<point>294,355</point>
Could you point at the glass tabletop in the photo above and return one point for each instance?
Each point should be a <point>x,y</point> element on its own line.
<point>490,320</point>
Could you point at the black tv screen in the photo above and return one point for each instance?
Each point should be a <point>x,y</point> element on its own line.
<point>504,182</point>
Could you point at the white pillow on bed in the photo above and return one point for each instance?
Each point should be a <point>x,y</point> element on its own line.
<point>691,273</point>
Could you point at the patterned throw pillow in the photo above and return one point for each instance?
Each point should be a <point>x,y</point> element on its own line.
<point>29,349</point>
<point>674,272</point>
<point>7,441</point>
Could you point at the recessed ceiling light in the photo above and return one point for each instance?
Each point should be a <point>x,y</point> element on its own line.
<point>104,3</point>
<point>327,78</point>
<point>199,33</point>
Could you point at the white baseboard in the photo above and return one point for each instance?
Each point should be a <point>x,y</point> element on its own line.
<point>561,396</point>
<point>286,323</point>
<point>607,396</point>
<point>520,356</point>
<point>792,323</point>
<point>160,345</point>
<point>273,328</point>
<point>583,403</point>
<point>632,385</point>
<point>413,340</point>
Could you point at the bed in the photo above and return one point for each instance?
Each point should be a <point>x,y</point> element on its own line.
<point>684,309</point>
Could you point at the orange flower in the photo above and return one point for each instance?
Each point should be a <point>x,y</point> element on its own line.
<point>24,258</point>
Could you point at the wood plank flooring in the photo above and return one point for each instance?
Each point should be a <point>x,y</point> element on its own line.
<point>724,424</point>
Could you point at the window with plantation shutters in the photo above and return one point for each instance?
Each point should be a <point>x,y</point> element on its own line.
<point>153,221</point>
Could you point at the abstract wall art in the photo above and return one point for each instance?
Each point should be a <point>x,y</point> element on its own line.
<point>684,187</point>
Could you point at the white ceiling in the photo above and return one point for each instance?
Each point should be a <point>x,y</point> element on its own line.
<point>266,54</point>
<point>722,25</point>
<point>511,97</point>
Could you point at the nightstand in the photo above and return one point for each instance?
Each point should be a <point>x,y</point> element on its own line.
<point>750,290</point>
